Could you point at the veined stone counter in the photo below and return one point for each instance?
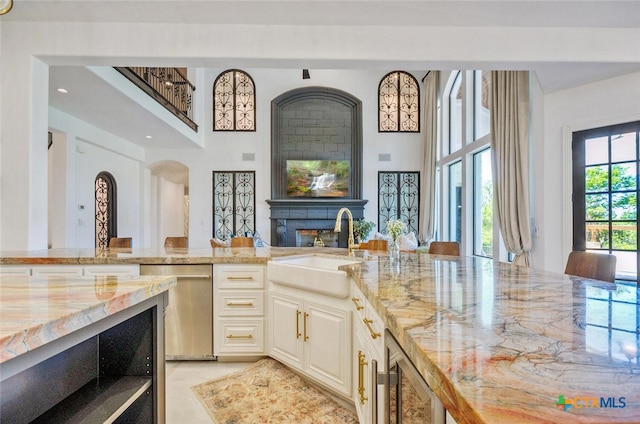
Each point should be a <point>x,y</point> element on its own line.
<point>37,310</point>
<point>237,255</point>
<point>505,344</point>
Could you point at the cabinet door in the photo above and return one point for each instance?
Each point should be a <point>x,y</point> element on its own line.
<point>327,348</point>
<point>286,325</point>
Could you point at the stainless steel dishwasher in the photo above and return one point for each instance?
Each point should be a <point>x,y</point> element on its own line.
<point>189,316</point>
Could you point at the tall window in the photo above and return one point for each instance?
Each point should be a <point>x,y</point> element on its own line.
<point>234,203</point>
<point>105,209</point>
<point>466,188</point>
<point>234,102</point>
<point>398,103</point>
<point>399,198</point>
<point>605,191</point>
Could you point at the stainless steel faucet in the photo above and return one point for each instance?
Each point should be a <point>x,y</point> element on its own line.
<point>351,242</point>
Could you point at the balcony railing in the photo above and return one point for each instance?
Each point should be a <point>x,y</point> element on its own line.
<point>168,86</point>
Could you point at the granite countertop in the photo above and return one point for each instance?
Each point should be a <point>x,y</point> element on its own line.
<point>238,255</point>
<point>37,310</point>
<point>496,342</point>
<point>500,343</point>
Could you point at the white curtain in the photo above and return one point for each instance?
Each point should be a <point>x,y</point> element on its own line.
<point>510,159</point>
<point>428,173</point>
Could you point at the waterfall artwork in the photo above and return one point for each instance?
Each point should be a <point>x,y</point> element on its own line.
<point>318,178</point>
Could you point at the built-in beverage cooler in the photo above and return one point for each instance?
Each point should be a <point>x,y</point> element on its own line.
<point>409,399</point>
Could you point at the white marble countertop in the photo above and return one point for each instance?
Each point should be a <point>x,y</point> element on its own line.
<point>37,310</point>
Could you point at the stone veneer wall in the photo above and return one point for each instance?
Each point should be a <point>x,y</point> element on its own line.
<point>316,123</point>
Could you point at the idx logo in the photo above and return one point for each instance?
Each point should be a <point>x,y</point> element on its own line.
<point>584,402</point>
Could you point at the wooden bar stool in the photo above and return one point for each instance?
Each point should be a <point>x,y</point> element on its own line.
<point>242,242</point>
<point>451,248</point>
<point>120,243</point>
<point>599,266</point>
<point>176,242</point>
<point>377,245</point>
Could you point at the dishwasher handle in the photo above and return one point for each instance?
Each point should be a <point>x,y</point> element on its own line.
<point>192,276</point>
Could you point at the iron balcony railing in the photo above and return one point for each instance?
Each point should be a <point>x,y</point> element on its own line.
<point>168,86</point>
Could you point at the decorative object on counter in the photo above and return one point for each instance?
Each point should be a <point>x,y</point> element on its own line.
<point>395,227</point>
<point>361,229</point>
<point>318,242</point>
<point>451,248</point>
<point>268,392</point>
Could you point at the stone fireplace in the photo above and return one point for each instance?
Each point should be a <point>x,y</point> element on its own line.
<point>314,123</point>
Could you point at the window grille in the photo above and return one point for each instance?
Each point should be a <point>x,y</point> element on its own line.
<point>234,203</point>
<point>234,101</point>
<point>399,198</point>
<point>398,103</point>
<point>105,209</point>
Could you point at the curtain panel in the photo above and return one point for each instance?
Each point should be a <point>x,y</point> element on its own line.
<point>510,159</point>
<point>428,174</point>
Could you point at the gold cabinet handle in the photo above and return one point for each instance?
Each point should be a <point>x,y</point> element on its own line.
<point>247,278</point>
<point>355,301</point>
<point>240,304</point>
<point>298,334</point>
<point>306,315</point>
<point>248,336</point>
<point>368,323</point>
<point>361,364</point>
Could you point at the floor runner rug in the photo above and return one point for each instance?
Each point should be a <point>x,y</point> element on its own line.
<point>268,392</point>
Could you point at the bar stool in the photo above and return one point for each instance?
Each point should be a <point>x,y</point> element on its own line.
<point>378,245</point>
<point>120,243</point>
<point>242,242</point>
<point>451,248</point>
<point>598,266</point>
<point>176,242</point>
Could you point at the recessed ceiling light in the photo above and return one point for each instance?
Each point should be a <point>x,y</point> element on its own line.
<point>62,90</point>
<point>148,136</point>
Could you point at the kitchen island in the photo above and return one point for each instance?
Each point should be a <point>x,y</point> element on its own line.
<point>84,348</point>
<point>497,343</point>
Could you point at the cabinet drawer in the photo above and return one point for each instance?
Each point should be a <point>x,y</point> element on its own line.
<point>239,276</point>
<point>116,270</point>
<point>239,336</point>
<point>239,303</point>
<point>57,270</point>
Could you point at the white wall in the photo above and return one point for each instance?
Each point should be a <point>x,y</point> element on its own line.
<point>608,102</point>
<point>223,150</point>
<point>89,151</point>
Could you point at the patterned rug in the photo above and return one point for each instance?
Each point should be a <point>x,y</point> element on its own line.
<point>267,392</point>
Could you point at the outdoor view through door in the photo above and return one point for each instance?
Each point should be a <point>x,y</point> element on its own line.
<point>605,192</point>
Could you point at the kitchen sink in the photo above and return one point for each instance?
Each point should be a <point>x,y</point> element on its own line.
<point>319,274</point>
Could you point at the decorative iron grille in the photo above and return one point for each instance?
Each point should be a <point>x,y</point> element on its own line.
<point>234,203</point>
<point>398,103</point>
<point>399,198</point>
<point>234,102</point>
<point>105,209</point>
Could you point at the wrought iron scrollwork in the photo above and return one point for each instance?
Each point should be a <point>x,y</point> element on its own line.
<point>399,198</point>
<point>398,103</point>
<point>234,203</point>
<point>234,102</point>
<point>105,209</point>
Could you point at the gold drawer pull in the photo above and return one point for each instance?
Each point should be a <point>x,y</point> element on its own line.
<point>248,336</point>
<point>298,334</point>
<point>249,304</point>
<point>361,364</point>
<point>368,323</point>
<point>247,278</point>
<point>355,301</point>
<point>306,315</point>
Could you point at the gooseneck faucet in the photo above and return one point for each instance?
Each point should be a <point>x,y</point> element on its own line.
<point>351,242</point>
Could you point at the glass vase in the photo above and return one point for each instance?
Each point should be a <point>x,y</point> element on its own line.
<point>394,251</point>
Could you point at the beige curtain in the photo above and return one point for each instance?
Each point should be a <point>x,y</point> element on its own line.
<point>428,172</point>
<point>510,159</point>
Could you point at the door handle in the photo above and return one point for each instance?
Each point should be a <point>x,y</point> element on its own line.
<point>373,334</point>
<point>192,276</point>
<point>361,364</point>
<point>298,324</point>
<point>306,315</point>
<point>231,277</point>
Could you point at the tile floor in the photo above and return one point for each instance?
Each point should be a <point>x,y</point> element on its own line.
<point>182,405</point>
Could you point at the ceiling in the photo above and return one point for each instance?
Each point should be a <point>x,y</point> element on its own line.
<point>123,117</point>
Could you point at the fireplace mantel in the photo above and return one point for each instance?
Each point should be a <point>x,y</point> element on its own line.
<point>289,215</point>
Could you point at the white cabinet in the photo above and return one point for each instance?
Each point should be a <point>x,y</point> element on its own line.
<point>70,270</point>
<point>367,359</point>
<point>239,310</point>
<point>312,333</point>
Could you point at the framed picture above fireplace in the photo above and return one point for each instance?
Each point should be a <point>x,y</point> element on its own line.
<point>318,178</point>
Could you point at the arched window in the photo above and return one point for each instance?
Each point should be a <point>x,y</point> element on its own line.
<point>398,103</point>
<point>106,208</point>
<point>234,102</point>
